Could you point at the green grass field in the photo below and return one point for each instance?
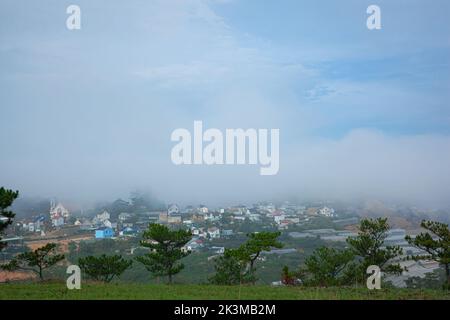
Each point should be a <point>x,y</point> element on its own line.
<point>91,291</point>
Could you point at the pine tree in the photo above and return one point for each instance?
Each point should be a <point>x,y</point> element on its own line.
<point>369,247</point>
<point>257,243</point>
<point>104,268</point>
<point>166,249</point>
<point>36,261</point>
<point>437,247</point>
<point>230,269</point>
<point>327,267</point>
<point>7,198</point>
<point>238,265</point>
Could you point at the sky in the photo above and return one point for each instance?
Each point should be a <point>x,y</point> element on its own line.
<point>86,115</point>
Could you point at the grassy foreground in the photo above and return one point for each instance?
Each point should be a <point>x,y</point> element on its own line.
<point>92,291</point>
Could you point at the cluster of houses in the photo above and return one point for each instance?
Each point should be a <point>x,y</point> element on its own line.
<point>57,217</point>
<point>105,228</point>
<point>282,216</point>
<point>206,224</point>
<point>195,219</point>
<point>290,214</point>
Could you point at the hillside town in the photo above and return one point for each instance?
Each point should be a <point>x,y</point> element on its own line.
<point>212,228</point>
<point>205,223</point>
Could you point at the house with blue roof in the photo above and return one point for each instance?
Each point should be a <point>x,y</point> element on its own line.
<point>104,233</point>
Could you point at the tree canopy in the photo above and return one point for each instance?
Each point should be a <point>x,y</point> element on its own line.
<point>7,198</point>
<point>435,243</point>
<point>166,249</point>
<point>369,248</point>
<point>238,265</point>
<point>104,268</point>
<point>328,267</point>
<point>36,261</point>
<point>230,268</point>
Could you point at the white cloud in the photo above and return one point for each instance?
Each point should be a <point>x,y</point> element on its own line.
<point>132,78</point>
<point>368,163</point>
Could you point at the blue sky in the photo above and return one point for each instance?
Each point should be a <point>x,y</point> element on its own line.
<point>88,114</point>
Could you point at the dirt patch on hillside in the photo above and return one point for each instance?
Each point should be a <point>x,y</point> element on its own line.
<point>16,276</point>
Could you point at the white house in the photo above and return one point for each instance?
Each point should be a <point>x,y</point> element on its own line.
<point>58,214</point>
<point>278,218</point>
<point>192,245</point>
<point>108,224</point>
<point>101,218</point>
<point>326,212</point>
<point>58,221</point>
<point>214,232</point>
<point>218,250</point>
